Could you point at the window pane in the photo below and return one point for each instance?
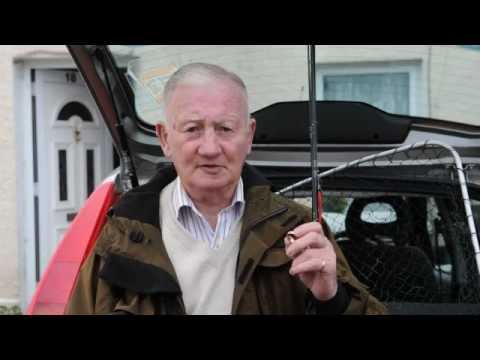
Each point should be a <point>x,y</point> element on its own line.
<point>75,108</point>
<point>389,92</point>
<point>90,172</point>
<point>62,174</point>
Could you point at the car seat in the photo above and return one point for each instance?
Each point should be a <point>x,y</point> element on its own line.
<point>381,257</point>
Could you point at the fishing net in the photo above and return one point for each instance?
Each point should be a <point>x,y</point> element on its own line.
<point>404,223</point>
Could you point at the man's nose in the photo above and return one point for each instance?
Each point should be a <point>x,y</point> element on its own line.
<point>209,145</point>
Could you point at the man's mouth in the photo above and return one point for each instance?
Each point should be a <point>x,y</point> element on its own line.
<point>210,165</point>
<point>211,168</point>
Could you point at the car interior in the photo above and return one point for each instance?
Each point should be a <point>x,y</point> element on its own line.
<point>411,249</point>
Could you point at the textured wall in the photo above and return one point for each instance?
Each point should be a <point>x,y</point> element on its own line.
<point>9,257</point>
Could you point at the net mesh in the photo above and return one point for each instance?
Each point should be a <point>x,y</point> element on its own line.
<point>400,221</point>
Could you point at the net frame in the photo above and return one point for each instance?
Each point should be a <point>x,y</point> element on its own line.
<point>390,153</point>
<point>428,153</point>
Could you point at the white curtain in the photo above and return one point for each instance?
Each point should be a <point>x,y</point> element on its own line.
<point>389,92</point>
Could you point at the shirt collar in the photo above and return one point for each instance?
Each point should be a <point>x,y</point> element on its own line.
<point>181,199</point>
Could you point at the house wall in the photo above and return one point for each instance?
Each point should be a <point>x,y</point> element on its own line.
<point>455,84</point>
<point>279,73</point>
<point>10,267</point>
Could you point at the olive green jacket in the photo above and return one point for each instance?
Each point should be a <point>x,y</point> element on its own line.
<point>129,271</point>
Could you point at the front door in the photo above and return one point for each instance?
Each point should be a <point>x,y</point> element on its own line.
<point>74,153</point>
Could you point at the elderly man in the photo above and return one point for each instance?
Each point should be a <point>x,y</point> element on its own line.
<point>207,236</point>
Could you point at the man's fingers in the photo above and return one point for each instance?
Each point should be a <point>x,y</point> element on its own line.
<point>306,228</point>
<point>311,265</point>
<point>290,239</point>
<point>309,254</point>
<point>312,240</point>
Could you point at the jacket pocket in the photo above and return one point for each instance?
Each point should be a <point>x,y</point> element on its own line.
<point>136,276</point>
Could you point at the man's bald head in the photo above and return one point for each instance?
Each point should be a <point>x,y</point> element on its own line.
<point>202,74</point>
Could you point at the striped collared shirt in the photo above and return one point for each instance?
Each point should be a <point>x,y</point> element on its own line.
<point>194,222</point>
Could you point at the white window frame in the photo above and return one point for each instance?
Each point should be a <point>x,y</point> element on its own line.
<point>417,98</point>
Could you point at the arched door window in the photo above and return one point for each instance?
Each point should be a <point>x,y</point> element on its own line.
<point>75,108</point>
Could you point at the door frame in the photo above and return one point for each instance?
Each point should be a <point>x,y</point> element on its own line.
<point>28,187</point>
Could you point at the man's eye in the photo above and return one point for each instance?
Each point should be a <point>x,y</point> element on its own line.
<point>225,129</point>
<point>192,129</point>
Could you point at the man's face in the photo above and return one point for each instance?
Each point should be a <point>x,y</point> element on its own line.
<point>208,135</point>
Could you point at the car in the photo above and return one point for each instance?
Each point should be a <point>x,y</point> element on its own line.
<point>400,183</point>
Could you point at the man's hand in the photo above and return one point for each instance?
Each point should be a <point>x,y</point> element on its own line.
<point>314,259</point>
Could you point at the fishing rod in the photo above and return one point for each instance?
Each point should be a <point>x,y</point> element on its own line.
<point>317,196</point>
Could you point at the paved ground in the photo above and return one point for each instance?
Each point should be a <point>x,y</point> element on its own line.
<point>10,310</point>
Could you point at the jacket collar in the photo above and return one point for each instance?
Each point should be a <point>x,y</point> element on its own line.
<point>142,203</point>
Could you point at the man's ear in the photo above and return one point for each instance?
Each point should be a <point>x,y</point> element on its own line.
<point>252,125</point>
<point>161,129</point>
